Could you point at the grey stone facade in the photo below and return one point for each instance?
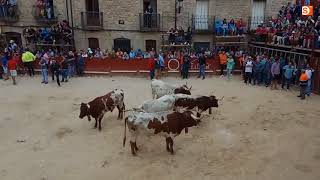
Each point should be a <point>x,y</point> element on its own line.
<point>128,11</point>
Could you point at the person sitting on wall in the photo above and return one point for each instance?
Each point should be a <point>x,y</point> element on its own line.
<point>225,27</point>
<point>139,54</point>
<point>125,56</point>
<point>232,27</point>
<point>132,54</point>
<point>119,53</point>
<point>146,55</point>
<point>180,38</point>
<point>188,36</point>
<point>240,27</point>
<point>172,36</point>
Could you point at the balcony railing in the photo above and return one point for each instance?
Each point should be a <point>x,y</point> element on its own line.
<point>149,22</point>
<point>9,14</point>
<point>92,20</point>
<point>45,14</point>
<point>255,21</point>
<point>202,24</point>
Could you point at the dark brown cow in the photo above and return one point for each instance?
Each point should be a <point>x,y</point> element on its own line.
<point>202,103</point>
<point>168,124</point>
<point>100,105</point>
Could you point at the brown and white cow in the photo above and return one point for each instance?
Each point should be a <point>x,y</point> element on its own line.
<point>168,124</point>
<point>100,105</point>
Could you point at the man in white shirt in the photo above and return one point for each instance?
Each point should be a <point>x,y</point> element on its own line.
<point>248,70</point>
<point>309,72</point>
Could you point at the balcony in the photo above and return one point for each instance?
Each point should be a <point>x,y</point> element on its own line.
<point>202,24</point>
<point>92,21</point>
<point>45,15</point>
<point>11,15</point>
<point>149,22</point>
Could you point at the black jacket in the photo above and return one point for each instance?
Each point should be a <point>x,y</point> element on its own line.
<point>202,60</point>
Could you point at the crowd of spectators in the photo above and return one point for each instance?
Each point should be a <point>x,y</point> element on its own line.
<point>291,28</point>
<point>57,34</point>
<point>8,8</point>
<point>179,36</point>
<point>232,28</point>
<point>44,9</point>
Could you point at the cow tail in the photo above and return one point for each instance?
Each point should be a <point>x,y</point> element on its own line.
<point>125,132</point>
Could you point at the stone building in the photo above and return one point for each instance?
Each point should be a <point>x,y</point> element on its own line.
<point>120,23</point>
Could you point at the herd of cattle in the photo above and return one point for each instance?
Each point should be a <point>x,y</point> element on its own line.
<point>169,113</point>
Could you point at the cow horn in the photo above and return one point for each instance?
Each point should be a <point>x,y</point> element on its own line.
<point>190,88</point>
<point>76,104</point>
<point>221,98</point>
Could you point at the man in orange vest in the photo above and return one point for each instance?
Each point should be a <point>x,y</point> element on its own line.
<point>223,61</point>
<point>303,84</point>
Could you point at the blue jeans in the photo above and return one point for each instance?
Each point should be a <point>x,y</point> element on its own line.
<point>202,71</point>
<point>309,87</point>
<point>71,70</point>
<point>3,11</point>
<point>44,75</point>
<point>64,73</point>
<point>267,78</point>
<point>286,81</point>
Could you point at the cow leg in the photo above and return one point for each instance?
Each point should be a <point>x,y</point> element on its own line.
<point>95,124</point>
<point>119,114</point>
<point>133,148</point>
<point>210,110</point>
<point>186,130</point>
<point>167,143</point>
<point>171,145</point>
<point>100,119</point>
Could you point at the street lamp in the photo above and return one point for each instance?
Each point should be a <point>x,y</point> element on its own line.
<point>178,7</point>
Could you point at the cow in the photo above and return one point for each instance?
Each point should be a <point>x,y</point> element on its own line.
<point>181,101</point>
<point>168,124</point>
<point>100,105</point>
<point>160,88</point>
<point>200,103</point>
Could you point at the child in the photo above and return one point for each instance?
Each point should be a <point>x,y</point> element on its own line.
<point>230,66</point>
<point>12,66</point>
<point>44,71</point>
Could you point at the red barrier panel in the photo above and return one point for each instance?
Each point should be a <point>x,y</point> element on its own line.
<point>107,65</point>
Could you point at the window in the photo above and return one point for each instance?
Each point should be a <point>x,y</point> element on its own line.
<point>258,12</point>
<point>151,44</point>
<point>93,43</point>
<point>122,43</point>
<point>202,14</point>
<point>93,15</point>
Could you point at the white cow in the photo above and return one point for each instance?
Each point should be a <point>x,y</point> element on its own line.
<point>160,88</point>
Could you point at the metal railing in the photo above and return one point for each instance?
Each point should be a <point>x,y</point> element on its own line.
<point>203,24</point>
<point>45,14</point>
<point>149,22</point>
<point>10,14</point>
<point>92,20</point>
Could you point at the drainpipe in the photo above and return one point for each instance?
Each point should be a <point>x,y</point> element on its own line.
<point>72,25</point>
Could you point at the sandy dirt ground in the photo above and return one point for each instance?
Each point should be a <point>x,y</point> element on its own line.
<point>256,134</point>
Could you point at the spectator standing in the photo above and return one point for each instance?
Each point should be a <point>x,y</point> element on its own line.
<point>157,67</point>
<point>71,64</point>
<point>303,84</point>
<point>56,70</point>
<point>152,64</point>
<point>223,62</point>
<point>248,71</point>
<point>28,58</point>
<point>44,70</point>
<point>185,66</point>
<point>309,72</point>
<point>12,8</point>
<point>256,72</point>
<point>64,70</point>
<point>202,65</point>
<point>4,62</point>
<point>81,63</point>
<point>230,66</point>
<point>266,71</point>
<point>3,8</point>
<point>275,72</point>
<point>12,66</point>
<point>288,72</point>
<point>161,61</point>
<point>232,27</point>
